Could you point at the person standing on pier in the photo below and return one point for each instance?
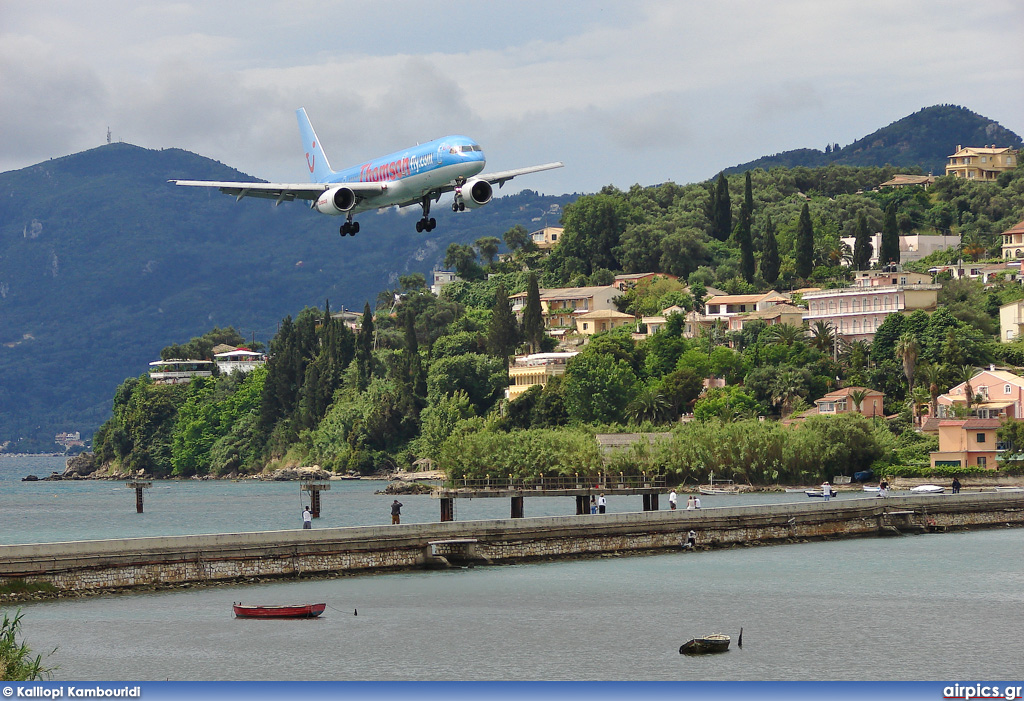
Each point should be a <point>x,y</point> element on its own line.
<point>826,490</point>
<point>307,518</point>
<point>396,512</point>
<point>672,500</point>
<point>593,505</point>
<point>956,486</point>
<point>602,503</point>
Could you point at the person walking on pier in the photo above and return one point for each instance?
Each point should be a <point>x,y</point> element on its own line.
<point>602,503</point>
<point>307,518</point>
<point>672,500</point>
<point>396,512</point>
<point>956,486</point>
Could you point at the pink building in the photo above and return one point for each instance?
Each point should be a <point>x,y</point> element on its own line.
<point>997,393</point>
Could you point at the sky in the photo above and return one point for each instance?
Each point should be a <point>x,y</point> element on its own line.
<point>622,92</point>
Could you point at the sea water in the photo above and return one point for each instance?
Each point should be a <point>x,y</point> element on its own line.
<point>938,606</point>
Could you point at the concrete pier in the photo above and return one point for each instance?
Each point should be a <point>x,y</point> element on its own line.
<point>125,563</point>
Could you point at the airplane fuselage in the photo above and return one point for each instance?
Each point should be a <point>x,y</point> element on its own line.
<point>409,174</point>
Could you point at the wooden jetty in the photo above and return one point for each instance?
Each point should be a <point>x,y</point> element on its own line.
<point>583,487</point>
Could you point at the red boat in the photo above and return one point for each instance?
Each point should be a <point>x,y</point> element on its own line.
<point>300,611</point>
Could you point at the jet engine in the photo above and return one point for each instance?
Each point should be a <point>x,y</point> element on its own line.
<point>476,193</point>
<point>337,201</point>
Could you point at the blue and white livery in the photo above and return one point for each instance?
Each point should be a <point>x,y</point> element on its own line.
<point>417,175</point>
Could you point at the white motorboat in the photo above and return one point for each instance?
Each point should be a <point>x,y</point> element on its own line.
<point>927,489</point>
<point>1011,490</point>
<point>819,492</point>
<point>876,490</point>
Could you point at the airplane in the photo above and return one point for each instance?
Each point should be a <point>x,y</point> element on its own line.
<point>417,175</point>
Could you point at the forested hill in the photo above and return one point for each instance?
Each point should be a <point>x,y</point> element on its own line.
<point>922,141</point>
<point>103,263</point>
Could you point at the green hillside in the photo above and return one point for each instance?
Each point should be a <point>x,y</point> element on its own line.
<point>920,142</point>
<point>103,263</point>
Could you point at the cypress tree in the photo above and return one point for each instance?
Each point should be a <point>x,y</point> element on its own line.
<point>862,244</point>
<point>533,315</point>
<point>503,332</point>
<point>889,250</point>
<point>770,262</point>
<point>743,240</point>
<point>721,223</point>
<point>805,244</point>
<point>364,349</point>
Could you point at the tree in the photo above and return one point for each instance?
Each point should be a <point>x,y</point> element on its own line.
<point>743,240</point>
<point>857,396</point>
<point>862,244</point>
<point>533,315</point>
<point>934,375</point>
<point>649,404</point>
<point>907,350</point>
<point>488,246</point>
<point>770,262</point>
<point>787,386</point>
<point>721,210</point>
<point>889,249</point>
<point>823,336</point>
<point>804,244</point>
<point>364,349</point>
<point>503,331</point>
<point>462,258</point>
<point>518,239</point>
<point>964,375</point>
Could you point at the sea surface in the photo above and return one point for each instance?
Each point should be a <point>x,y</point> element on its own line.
<point>928,607</point>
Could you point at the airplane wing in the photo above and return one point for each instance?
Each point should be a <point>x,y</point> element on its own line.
<point>503,176</point>
<point>282,192</point>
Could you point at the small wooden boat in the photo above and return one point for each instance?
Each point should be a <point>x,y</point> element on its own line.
<point>297,611</point>
<point>927,489</point>
<point>706,645</point>
<point>819,493</point>
<point>711,489</point>
<point>1010,490</point>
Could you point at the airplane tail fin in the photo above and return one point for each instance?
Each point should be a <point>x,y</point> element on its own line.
<point>316,159</point>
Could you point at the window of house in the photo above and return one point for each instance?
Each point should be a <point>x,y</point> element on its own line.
<point>585,326</point>
<point>981,438</point>
<point>982,461</point>
<point>1006,389</point>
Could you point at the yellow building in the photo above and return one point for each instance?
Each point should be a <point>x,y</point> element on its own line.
<point>602,320</point>
<point>528,370</point>
<point>547,238</point>
<point>981,163</point>
<point>1013,242</point>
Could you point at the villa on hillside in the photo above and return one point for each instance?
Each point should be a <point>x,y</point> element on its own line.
<point>560,306</point>
<point>547,238</point>
<point>840,402</point>
<point>997,394</point>
<point>176,371</point>
<point>772,316</point>
<point>238,359</point>
<point>857,311</point>
<point>967,443</point>
<point>528,370</point>
<point>602,320</point>
<point>1013,242</point>
<point>981,163</point>
<point>912,247</point>
<point>903,180</point>
<point>724,306</point>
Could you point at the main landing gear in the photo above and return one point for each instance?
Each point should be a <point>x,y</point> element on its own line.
<point>349,228</point>
<point>427,223</point>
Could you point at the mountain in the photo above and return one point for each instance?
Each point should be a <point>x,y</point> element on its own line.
<point>923,140</point>
<point>103,263</point>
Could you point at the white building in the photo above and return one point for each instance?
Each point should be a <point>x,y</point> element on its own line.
<point>912,248</point>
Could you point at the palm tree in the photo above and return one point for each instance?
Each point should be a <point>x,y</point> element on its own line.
<point>650,404</point>
<point>785,334</point>
<point>965,373</point>
<point>857,396</point>
<point>823,336</point>
<point>785,388</point>
<point>917,401</point>
<point>933,374</point>
<point>907,350</point>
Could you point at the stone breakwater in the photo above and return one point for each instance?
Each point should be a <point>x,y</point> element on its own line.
<point>111,565</point>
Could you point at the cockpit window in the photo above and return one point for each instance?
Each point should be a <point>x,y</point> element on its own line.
<point>469,147</point>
